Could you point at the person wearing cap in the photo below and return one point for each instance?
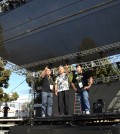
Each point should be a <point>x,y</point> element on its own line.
<point>62,90</point>
<point>47,95</point>
<point>81,83</point>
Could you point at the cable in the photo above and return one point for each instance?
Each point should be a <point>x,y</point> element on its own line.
<point>17,86</point>
<point>41,16</point>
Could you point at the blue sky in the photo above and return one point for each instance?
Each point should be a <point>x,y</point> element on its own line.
<point>14,81</point>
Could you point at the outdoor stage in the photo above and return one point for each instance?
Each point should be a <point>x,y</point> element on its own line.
<point>103,123</point>
<point>75,120</point>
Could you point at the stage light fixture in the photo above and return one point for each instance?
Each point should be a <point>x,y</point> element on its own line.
<point>66,61</point>
<point>74,55</point>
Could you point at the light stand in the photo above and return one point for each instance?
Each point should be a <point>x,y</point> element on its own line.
<point>32,104</point>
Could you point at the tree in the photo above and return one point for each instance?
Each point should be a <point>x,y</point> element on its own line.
<point>4,78</point>
<point>1,94</point>
<point>105,71</point>
<point>5,97</point>
<point>14,96</point>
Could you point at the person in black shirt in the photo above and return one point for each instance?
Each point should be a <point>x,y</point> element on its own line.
<point>47,95</point>
<point>5,110</point>
<point>81,83</point>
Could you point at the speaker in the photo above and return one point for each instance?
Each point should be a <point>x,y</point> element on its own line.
<point>37,110</point>
<point>99,106</point>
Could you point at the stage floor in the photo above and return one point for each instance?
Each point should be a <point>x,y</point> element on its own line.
<point>102,123</point>
<point>90,120</point>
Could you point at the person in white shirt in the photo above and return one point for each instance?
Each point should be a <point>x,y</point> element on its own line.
<point>62,90</point>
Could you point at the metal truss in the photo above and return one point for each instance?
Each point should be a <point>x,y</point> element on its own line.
<point>100,62</point>
<point>16,69</point>
<point>107,79</point>
<point>74,55</point>
<point>86,65</point>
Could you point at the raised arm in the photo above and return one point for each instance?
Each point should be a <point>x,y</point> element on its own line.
<point>44,72</point>
<point>67,69</point>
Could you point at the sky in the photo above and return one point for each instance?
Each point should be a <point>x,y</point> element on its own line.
<point>115,58</point>
<point>17,83</point>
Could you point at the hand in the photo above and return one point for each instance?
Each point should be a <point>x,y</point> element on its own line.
<point>66,66</point>
<point>46,68</point>
<point>56,93</point>
<point>87,87</point>
<point>75,89</point>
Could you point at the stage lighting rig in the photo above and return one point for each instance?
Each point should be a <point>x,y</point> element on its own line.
<point>105,79</point>
<point>74,55</point>
<point>16,69</point>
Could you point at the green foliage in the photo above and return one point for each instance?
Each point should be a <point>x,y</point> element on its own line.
<point>5,97</point>
<point>33,80</point>
<point>105,71</point>
<point>4,74</point>
<point>14,96</point>
<point>70,77</point>
<point>1,93</point>
<point>4,77</point>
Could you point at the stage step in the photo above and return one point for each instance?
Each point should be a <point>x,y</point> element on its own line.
<point>4,131</point>
<point>4,128</point>
<point>7,125</point>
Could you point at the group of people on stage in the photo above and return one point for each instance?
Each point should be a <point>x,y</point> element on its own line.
<point>81,83</point>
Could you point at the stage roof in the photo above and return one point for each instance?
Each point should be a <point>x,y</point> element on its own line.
<point>41,30</point>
